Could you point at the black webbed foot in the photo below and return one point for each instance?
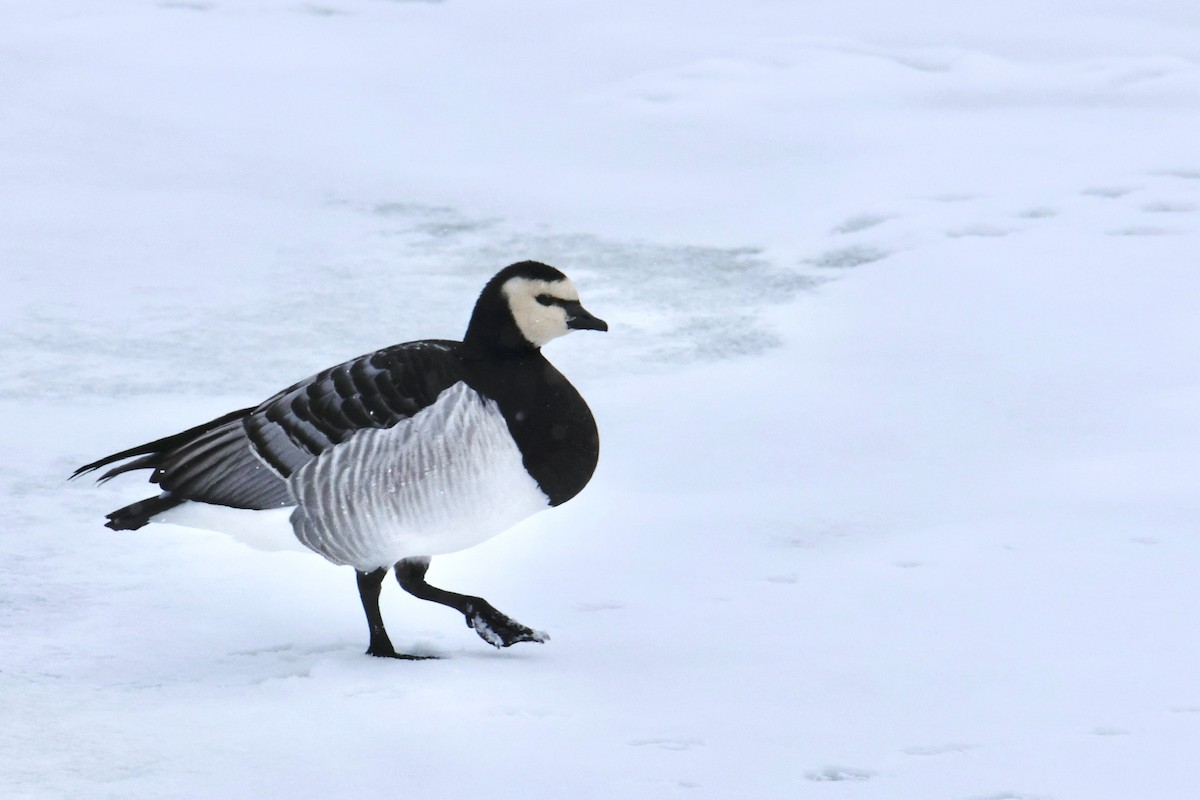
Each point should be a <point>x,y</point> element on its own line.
<point>387,651</point>
<point>497,629</point>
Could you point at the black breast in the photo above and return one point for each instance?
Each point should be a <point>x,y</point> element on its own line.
<point>549,420</point>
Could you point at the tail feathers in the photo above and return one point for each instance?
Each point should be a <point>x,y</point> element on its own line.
<point>153,452</point>
<point>145,462</point>
<point>135,515</point>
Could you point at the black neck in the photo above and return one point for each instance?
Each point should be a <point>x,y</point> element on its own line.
<point>493,331</point>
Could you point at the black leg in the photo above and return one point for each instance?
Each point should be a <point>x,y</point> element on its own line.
<point>493,627</point>
<point>369,584</point>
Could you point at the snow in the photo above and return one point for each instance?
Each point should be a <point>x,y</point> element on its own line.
<point>897,496</point>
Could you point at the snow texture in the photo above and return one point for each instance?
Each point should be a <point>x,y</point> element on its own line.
<point>900,446</point>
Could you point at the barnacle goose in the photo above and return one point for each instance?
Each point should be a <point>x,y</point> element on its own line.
<point>411,451</point>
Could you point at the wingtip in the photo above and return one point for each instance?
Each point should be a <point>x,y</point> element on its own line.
<point>91,467</point>
<point>80,471</point>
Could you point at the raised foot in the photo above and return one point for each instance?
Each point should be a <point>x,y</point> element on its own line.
<point>497,629</point>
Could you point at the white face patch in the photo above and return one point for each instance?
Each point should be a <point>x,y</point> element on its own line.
<point>538,322</point>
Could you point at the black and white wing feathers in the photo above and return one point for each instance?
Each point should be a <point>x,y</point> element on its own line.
<point>212,463</point>
<point>243,458</point>
<point>377,390</point>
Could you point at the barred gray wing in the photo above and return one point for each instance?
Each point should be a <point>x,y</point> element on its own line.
<point>376,390</point>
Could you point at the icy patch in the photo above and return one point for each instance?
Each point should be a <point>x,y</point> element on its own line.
<point>1166,207</point>
<point>781,74</point>
<point>1040,212</point>
<point>1108,192</point>
<point>834,773</point>
<point>984,230</point>
<point>847,257</point>
<point>668,744</point>
<point>323,11</point>
<point>861,222</point>
<point>710,337</point>
<point>438,222</point>
<point>414,273</point>
<point>1185,174</point>
<point>1142,230</point>
<point>1108,730</point>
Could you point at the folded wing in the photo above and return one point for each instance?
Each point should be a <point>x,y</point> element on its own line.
<point>243,459</point>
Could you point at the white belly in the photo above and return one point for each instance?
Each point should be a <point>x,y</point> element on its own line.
<point>446,479</point>
<point>263,530</point>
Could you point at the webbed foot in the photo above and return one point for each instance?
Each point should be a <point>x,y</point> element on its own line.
<point>497,629</point>
<point>387,651</point>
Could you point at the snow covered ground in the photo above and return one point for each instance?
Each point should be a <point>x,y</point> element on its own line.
<point>899,490</point>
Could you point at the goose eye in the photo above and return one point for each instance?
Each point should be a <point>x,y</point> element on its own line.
<point>546,299</point>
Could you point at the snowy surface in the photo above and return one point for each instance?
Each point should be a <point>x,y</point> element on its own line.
<point>899,490</point>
